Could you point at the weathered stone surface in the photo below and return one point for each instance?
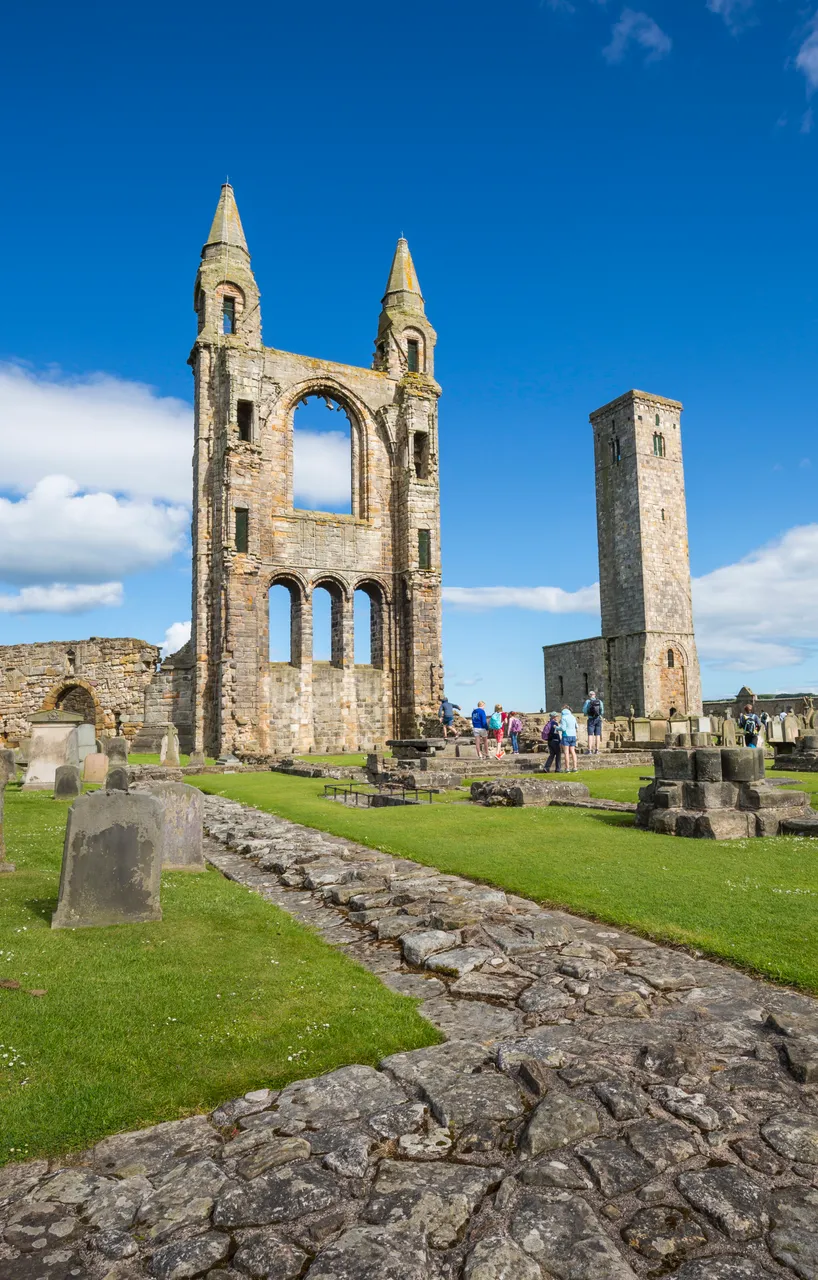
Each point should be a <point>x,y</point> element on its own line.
<point>270,1154</point>
<point>152,1151</point>
<point>95,767</point>
<point>499,1258</point>
<point>722,1268</point>
<point>664,1232</point>
<point>345,1094</point>
<point>437,1199</point>
<point>114,1204</point>
<point>191,1258</point>
<point>485,1096</point>
<point>418,1067</point>
<point>730,1198</point>
<point>794,1136</point>
<point>373,1253</point>
<point>281,1196</point>
<point>116,749</point>
<point>169,748</point>
<point>562,1233</point>
<point>797,1249</point>
<point>67,783</point>
<point>53,743</point>
<point>33,1228</point>
<point>459,961</point>
<point>662,1143</point>
<point>557,1121</point>
<point>545,1000</point>
<point>622,1100</point>
<point>470,1019</point>
<point>614,1166</point>
<point>183,807</point>
<point>490,986</point>
<point>111,867</point>
<point>417,947</point>
<point>267,1255</point>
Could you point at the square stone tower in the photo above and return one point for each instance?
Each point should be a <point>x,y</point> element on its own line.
<point>249,536</point>
<point>644,561</point>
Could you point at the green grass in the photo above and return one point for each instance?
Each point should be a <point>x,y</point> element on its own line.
<point>749,901</point>
<point>149,1022</point>
<point>152,757</point>
<point>346,757</point>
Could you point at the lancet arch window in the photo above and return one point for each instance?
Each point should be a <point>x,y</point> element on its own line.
<point>369,594</point>
<point>328,454</point>
<point>286,617</point>
<point>658,445</point>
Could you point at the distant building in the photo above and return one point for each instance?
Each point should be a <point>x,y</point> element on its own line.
<point>646,656</point>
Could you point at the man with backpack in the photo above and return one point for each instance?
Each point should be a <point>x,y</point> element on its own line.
<point>594,709</point>
<point>750,723</point>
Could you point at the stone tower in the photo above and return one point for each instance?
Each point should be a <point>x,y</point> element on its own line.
<point>249,536</point>
<point>644,561</point>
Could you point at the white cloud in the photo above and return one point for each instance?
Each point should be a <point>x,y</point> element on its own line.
<point>639,29</point>
<point>57,534</point>
<point>806,59</point>
<point>107,432</point>
<point>539,599</point>
<point>177,634</point>
<point>734,12</point>
<point>321,468</point>
<point>59,598</point>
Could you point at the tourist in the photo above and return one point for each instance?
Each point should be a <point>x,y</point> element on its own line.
<point>446,715</point>
<point>750,723</point>
<point>594,709</point>
<point>552,737</point>
<point>515,728</point>
<point>496,728</point>
<point>568,730</point>
<point>480,728</point>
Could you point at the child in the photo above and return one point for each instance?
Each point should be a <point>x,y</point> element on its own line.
<point>496,729</point>
<point>515,728</point>
<point>568,729</point>
<point>480,726</point>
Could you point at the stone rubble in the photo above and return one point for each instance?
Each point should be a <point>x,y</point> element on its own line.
<point>602,1109</point>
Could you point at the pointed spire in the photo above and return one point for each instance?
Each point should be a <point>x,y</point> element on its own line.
<point>227,228</point>
<point>402,287</point>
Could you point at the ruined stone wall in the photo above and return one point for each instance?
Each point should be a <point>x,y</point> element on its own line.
<point>571,670</point>
<point>106,678</point>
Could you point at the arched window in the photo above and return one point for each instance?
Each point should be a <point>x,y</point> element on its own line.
<point>616,453</point>
<point>328,624</point>
<point>368,616</point>
<point>285,606</point>
<point>657,419</point>
<point>77,699</point>
<point>322,455</point>
<point>671,658</point>
<point>658,444</point>
<point>415,362</point>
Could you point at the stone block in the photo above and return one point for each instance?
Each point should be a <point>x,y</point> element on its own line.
<point>700,739</point>
<point>668,795</point>
<point>677,765</point>
<point>67,785</point>
<point>116,749</point>
<point>708,764</point>
<point>686,824</point>
<point>725,824</point>
<point>197,759</point>
<point>684,740</point>
<point>665,821</point>
<point>809,742</point>
<point>112,861</point>
<point>759,767</point>
<point>738,764</point>
<point>183,807</point>
<point>709,795</point>
<point>53,742</point>
<point>641,730</point>
<point>117,779</point>
<point>768,823</point>
<point>95,767</point>
<point>760,795</point>
<point>86,740</point>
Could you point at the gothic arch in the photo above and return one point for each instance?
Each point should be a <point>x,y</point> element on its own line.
<point>362,429</point>
<point>73,694</point>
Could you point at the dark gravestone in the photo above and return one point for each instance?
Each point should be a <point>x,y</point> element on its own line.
<point>116,749</point>
<point>112,861</point>
<point>182,838</point>
<point>117,780</point>
<point>67,784</point>
<point>9,758</point>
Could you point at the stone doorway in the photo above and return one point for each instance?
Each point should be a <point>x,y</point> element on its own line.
<point>79,700</point>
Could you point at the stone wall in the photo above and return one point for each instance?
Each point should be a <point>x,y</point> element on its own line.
<point>571,670</point>
<point>104,679</point>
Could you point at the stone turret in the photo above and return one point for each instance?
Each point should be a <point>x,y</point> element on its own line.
<point>226,296</point>
<point>406,340</point>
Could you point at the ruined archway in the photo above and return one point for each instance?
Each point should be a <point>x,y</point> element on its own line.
<point>76,696</point>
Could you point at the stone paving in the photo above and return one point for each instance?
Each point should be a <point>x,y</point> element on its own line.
<point>602,1109</point>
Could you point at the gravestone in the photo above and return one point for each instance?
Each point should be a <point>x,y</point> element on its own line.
<point>67,785</point>
<point>5,773</point>
<point>8,758</point>
<point>117,779</point>
<point>728,732</point>
<point>641,729</point>
<point>86,740</point>
<point>116,749</point>
<point>112,861</point>
<point>95,767</point>
<point>169,750</point>
<point>182,838</point>
<point>53,742</point>
<point>196,759</point>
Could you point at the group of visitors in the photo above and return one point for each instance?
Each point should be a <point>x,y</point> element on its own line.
<point>559,733</point>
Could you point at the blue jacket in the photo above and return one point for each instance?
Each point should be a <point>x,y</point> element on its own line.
<point>478,718</point>
<point>585,710</point>
<point>568,725</point>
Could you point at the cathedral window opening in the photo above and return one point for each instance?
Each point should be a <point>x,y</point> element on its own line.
<point>228,314</point>
<point>420,452</point>
<point>368,619</point>
<point>663,515</point>
<point>424,549</point>
<point>658,444</point>
<point>671,658</point>
<point>413,355</point>
<point>585,679</point>
<point>616,452</point>
<point>322,455</point>
<point>562,687</point>
<point>285,612</point>
<point>242,529</point>
<point>657,419</point>
<point>328,625</point>
<point>244,418</point>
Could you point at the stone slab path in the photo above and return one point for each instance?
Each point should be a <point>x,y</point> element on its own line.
<point>603,1108</point>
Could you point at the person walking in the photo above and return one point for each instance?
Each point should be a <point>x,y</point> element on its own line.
<point>750,723</point>
<point>594,710</point>
<point>553,739</point>
<point>515,728</point>
<point>568,730</point>
<point>496,729</point>
<point>480,728</point>
<point>446,716</point>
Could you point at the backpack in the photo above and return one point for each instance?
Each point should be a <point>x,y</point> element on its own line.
<point>515,725</point>
<point>554,734</point>
<point>495,720</point>
<point>594,708</point>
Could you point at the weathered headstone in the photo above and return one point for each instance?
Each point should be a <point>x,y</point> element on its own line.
<point>197,759</point>
<point>169,750</point>
<point>116,749</point>
<point>95,767</point>
<point>8,758</point>
<point>86,740</point>
<point>67,785</point>
<point>117,779</point>
<point>728,732</point>
<point>112,861</point>
<point>53,742</point>
<point>182,838</point>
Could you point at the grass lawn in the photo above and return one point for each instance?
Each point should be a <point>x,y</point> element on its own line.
<point>152,757</point>
<point>750,901</point>
<point>149,1022</point>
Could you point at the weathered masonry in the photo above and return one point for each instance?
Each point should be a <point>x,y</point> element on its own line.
<point>646,656</point>
<point>248,536</point>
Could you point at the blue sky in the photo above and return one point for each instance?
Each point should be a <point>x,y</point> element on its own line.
<point>596,198</point>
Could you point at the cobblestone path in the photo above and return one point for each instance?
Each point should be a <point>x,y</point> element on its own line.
<point>603,1108</point>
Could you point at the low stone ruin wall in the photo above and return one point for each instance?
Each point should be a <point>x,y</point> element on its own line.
<point>528,791</point>
<point>717,793</point>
